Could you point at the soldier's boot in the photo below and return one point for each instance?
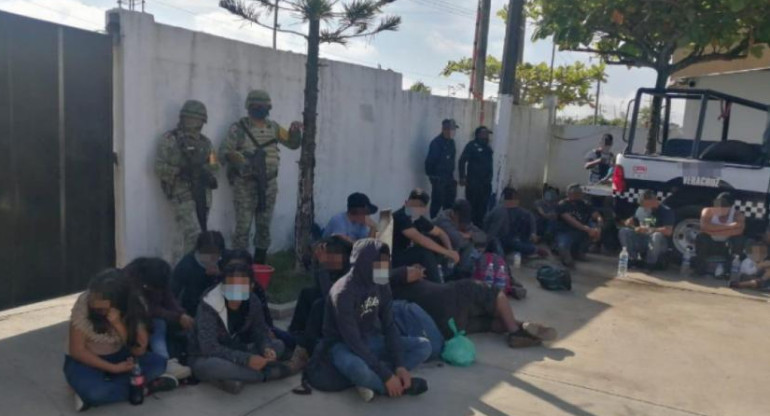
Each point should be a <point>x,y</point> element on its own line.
<point>260,256</point>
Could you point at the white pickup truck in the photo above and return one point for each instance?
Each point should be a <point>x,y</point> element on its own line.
<point>689,172</point>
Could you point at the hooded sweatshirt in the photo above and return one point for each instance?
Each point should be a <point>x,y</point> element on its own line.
<point>357,309</point>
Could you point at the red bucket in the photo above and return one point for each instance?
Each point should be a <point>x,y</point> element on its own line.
<point>262,274</point>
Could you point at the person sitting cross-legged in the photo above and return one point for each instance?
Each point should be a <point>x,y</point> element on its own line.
<point>647,234</point>
<point>721,235</point>
<point>510,227</point>
<point>755,269</point>
<point>355,223</point>
<point>367,347</point>
<point>457,224</point>
<point>414,234</point>
<point>579,224</point>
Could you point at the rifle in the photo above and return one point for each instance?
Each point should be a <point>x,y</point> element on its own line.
<point>200,180</point>
<point>258,162</point>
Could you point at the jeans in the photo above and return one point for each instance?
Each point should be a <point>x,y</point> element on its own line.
<point>546,227</point>
<point>574,241</point>
<point>97,387</point>
<point>422,256</point>
<point>650,246</point>
<point>215,368</point>
<point>443,194</point>
<point>158,343</point>
<point>416,350</point>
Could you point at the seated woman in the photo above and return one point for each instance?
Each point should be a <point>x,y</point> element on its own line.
<point>107,338</point>
<point>198,271</point>
<point>151,277</point>
<point>721,235</point>
<point>230,344</point>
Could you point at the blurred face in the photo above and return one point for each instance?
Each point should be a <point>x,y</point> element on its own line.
<point>358,215</point>
<point>381,270</point>
<point>333,261</point>
<point>448,133</point>
<point>575,195</point>
<point>483,135</point>
<point>191,124</point>
<point>722,207</point>
<point>237,287</point>
<point>758,253</point>
<point>606,145</point>
<point>98,305</point>
<point>514,202</point>
<point>259,111</point>
<point>415,208</point>
<point>650,204</point>
<point>208,258</point>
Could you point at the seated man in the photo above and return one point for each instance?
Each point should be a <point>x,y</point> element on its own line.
<point>355,223</point>
<point>755,269</point>
<point>579,224</point>
<point>546,214</point>
<point>648,232</point>
<point>413,237</point>
<point>198,271</point>
<point>474,306</point>
<point>366,345</point>
<point>457,223</point>
<point>511,227</point>
<point>721,234</point>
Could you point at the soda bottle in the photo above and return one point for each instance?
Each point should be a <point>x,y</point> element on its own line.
<point>501,279</point>
<point>136,391</point>
<point>686,259</point>
<point>623,263</point>
<point>489,276</point>
<point>735,270</point>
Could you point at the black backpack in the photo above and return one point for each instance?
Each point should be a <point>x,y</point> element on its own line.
<point>554,278</point>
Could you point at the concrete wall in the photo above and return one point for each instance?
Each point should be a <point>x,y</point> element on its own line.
<point>745,124</point>
<point>372,136</point>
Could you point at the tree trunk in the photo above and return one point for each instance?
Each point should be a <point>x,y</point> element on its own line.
<point>303,222</point>
<point>657,105</point>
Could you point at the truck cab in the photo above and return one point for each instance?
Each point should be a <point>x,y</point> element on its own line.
<point>689,172</point>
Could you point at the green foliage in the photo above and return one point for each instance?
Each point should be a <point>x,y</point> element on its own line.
<point>286,282</point>
<point>572,84</point>
<point>420,86</point>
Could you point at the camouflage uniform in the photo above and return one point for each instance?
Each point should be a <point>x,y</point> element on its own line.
<point>175,148</point>
<point>243,177</point>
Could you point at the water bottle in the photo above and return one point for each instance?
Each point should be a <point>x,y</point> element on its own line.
<point>136,390</point>
<point>440,274</point>
<point>489,276</point>
<point>517,260</point>
<point>686,259</point>
<point>501,280</point>
<point>735,270</point>
<point>623,263</point>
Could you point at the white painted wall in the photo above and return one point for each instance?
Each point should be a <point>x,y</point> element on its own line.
<point>527,146</point>
<point>745,124</point>
<point>373,136</point>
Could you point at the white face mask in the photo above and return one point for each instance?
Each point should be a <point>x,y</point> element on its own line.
<point>381,276</point>
<point>415,213</point>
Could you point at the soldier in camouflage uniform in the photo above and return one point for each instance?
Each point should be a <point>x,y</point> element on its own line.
<point>186,165</point>
<point>252,156</point>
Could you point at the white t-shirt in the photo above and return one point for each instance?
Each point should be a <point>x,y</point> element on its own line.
<point>748,267</point>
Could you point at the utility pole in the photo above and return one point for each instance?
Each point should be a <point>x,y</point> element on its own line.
<point>596,108</point>
<point>553,61</point>
<point>480,50</point>
<point>512,49</point>
<point>275,25</point>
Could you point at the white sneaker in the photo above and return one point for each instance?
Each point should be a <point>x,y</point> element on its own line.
<point>177,370</point>
<point>79,405</point>
<point>366,394</point>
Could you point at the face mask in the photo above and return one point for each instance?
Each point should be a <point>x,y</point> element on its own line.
<point>191,125</point>
<point>550,196</point>
<point>260,113</point>
<point>236,292</point>
<point>414,213</point>
<point>381,276</point>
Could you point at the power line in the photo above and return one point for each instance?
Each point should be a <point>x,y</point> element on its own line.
<point>443,8</point>
<point>449,6</point>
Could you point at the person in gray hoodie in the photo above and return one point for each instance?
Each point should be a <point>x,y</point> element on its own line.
<point>366,345</point>
<point>230,344</point>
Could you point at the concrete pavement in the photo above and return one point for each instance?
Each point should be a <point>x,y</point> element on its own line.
<point>642,345</point>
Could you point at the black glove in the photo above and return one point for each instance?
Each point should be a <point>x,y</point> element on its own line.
<point>209,179</point>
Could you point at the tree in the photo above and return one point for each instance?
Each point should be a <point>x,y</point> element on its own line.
<point>329,21</point>
<point>646,33</point>
<point>420,86</point>
<point>572,84</point>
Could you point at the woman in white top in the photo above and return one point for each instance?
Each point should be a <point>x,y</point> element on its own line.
<point>721,235</point>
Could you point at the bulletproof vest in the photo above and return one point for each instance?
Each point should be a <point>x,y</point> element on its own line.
<point>262,140</point>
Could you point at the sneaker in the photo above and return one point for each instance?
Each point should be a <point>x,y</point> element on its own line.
<point>523,339</point>
<point>418,387</point>
<point>177,370</point>
<point>366,394</point>
<point>298,361</point>
<point>166,382</point>
<point>230,386</point>
<point>80,406</point>
<point>542,332</point>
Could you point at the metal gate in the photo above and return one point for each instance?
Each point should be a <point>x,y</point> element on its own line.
<point>57,223</point>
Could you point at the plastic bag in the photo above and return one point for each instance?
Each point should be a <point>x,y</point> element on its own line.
<point>459,350</point>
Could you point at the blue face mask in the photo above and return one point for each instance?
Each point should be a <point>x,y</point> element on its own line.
<point>236,292</point>
<point>260,113</point>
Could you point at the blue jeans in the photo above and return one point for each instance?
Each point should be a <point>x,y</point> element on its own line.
<point>158,343</point>
<point>574,241</point>
<point>416,350</point>
<point>97,387</point>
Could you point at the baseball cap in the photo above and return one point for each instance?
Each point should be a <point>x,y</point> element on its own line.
<point>420,195</point>
<point>359,200</point>
<point>449,123</point>
<point>574,187</point>
<point>463,210</point>
<point>480,129</point>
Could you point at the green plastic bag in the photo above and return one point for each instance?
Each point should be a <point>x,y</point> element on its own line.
<point>459,350</point>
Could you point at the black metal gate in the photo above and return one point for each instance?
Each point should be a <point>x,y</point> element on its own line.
<point>57,223</point>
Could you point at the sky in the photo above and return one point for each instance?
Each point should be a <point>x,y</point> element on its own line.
<point>432,33</point>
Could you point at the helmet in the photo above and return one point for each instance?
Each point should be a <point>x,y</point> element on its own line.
<point>257,97</point>
<point>194,109</point>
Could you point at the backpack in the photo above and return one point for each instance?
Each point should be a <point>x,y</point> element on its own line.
<point>554,278</point>
<point>412,321</point>
<point>504,282</point>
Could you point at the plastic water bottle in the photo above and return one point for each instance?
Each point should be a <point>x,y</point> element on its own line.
<point>489,276</point>
<point>623,263</point>
<point>501,280</point>
<point>136,390</point>
<point>440,274</point>
<point>735,270</point>
<point>686,259</point>
<point>517,260</point>
<point>720,270</point>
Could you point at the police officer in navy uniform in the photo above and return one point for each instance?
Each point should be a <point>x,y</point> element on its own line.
<point>440,168</point>
<point>475,172</point>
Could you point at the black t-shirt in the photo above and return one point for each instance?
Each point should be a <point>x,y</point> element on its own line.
<point>663,216</point>
<point>401,223</point>
<point>237,318</point>
<point>578,209</point>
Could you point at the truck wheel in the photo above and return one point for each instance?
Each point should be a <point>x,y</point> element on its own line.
<point>686,229</point>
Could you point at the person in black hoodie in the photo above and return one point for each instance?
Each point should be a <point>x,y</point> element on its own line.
<point>366,345</point>
<point>198,271</point>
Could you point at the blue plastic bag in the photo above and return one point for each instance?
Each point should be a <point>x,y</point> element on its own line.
<point>459,350</point>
